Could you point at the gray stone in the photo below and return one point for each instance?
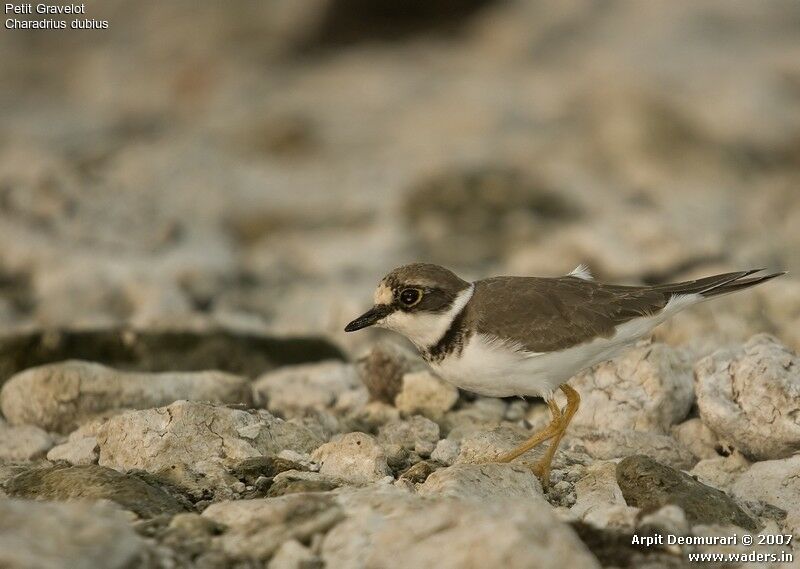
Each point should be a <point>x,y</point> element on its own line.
<point>417,434</point>
<point>599,500</point>
<point>355,457</point>
<point>750,397</point>
<point>59,397</point>
<point>648,485</point>
<point>93,483</point>
<point>446,452</point>
<point>609,445</point>
<point>75,535</point>
<point>297,482</point>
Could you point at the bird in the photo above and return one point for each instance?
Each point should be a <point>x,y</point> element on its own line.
<point>527,336</point>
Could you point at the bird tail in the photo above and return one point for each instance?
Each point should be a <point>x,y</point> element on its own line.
<point>718,285</point>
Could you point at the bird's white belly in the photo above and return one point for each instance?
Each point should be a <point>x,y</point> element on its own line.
<point>488,366</point>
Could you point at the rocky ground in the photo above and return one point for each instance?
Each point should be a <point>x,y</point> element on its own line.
<point>194,203</point>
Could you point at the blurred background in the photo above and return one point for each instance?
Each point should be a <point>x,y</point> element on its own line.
<point>263,164</point>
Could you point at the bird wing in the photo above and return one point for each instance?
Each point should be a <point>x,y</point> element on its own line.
<point>549,314</point>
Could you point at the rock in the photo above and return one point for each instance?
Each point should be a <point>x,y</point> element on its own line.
<point>648,388</point>
<point>425,394</point>
<point>750,397</point>
<point>481,446</point>
<point>93,483</point>
<point>198,437</point>
<point>251,469</point>
<point>418,473</point>
<point>484,482</point>
<point>382,369</point>
<point>292,389</point>
<point>599,499</point>
<point>648,485</point>
<point>294,555</point>
<point>722,471</point>
<point>446,452</point>
<point>701,441</point>
<point>776,482</point>
<point>257,528</point>
<point>174,348</point>
<point>667,520</point>
<point>391,528</point>
<point>417,434</point>
<point>25,442</point>
<point>355,457</point>
<point>297,482</point>
<point>81,451</point>
<point>75,535</point>
<point>608,445</point>
<point>59,397</point>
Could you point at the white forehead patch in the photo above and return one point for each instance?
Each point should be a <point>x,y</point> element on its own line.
<point>383,294</point>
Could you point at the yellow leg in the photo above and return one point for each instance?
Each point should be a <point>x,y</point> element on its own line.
<point>542,468</point>
<point>548,432</point>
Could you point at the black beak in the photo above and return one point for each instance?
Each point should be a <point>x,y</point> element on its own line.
<point>369,318</point>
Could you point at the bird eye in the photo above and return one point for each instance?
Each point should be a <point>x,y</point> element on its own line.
<point>410,296</point>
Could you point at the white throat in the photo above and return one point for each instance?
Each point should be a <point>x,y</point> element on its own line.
<point>425,329</point>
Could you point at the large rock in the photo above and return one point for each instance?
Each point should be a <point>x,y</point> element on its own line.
<point>75,535</point>
<point>417,434</point>
<point>647,389</point>
<point>257,528</point>
<point>390,528</point>
<point>93,483</point>
<point>25,442</point>
<point>750,396</point>
<point>484,482</point>
<point>648,485</point>
<point>59,397</point>
<point>355,457</point>
<point>294,389</point>
<point>775,482</point>
<point>197,435</point>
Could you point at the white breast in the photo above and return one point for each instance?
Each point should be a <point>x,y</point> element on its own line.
<point>488,366</point>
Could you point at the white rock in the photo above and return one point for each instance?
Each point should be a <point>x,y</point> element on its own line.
<point>599,499</point>
<point>78,535</point>
<point>59,397</point>
<point>446,452</point>
<point>649,388</point>
<point>484,482</point>
<point>392,528</point>
<point>722,471</point>
<point>297,388</point>
<point>196,435</point>
<point>25,442</point>
<point>425,394</point>
<point>79,451</point>
<point>697,437</point>
<point>355,457</point>
<point>776,482</point>
<point>750,397</point>
<point>486,445</point>
<point>667,520</point>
